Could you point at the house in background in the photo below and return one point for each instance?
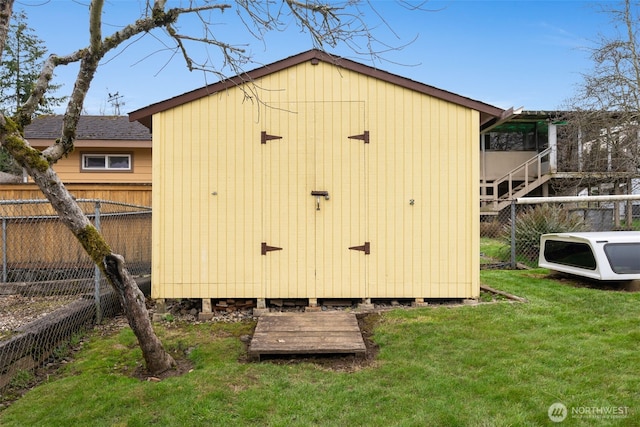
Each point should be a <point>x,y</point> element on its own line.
<point>515,159</point>
<point>316,177</point>
<point>111,160</point>
<point>548,153</point>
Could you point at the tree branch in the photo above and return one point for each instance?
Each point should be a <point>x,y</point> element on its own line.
<point>95,25</point>
<point>89,61</point>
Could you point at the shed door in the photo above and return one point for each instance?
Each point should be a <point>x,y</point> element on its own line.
<point>315,231</point>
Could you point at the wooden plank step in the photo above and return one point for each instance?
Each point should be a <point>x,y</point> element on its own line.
<point>307,333</point>
<point>305,325</point>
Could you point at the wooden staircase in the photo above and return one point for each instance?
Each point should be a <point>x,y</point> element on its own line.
<point>518,182</point>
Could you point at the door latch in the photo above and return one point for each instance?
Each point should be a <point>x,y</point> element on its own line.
<point>319,194</point>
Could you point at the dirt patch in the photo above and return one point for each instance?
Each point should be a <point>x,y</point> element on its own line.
<point>581,282</point>
<point>183,366</point>
<point>18,310</point>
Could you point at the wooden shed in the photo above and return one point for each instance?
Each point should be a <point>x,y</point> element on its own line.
<point>316,177</point>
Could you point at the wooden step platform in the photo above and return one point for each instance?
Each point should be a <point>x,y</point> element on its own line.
<point>332,332</point>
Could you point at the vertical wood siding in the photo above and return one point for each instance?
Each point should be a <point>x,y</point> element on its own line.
<point>208,173</point>
<point>315,154</point>
<point>422,149</point>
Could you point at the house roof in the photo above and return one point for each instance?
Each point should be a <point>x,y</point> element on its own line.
<point>488,113</point>
<point>89,128</point>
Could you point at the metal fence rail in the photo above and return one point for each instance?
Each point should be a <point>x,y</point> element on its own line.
<point>49,287</point>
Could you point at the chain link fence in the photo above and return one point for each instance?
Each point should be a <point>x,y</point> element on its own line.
<point>49,288</point>
<point>511,238</point>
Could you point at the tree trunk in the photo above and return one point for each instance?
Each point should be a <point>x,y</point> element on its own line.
<point>113,266</point>
<point>133,304</point>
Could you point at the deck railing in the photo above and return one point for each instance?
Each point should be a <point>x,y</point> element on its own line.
<point>517,182</point>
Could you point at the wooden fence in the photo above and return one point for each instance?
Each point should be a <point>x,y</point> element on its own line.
<point>133,194</point>
<point>34,242</point>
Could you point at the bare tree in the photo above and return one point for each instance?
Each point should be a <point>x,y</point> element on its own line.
<point>601,137</point>
<point>328,24</point>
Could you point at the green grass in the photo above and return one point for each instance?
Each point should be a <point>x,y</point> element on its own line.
<point>497,364</point>
<point>494,250</point>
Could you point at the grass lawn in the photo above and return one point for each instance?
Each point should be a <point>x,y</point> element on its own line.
<point>494,364</point>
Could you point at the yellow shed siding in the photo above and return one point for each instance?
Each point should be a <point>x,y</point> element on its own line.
<point>209,196</point>
<point>422,149</point>
<point>433,141</point>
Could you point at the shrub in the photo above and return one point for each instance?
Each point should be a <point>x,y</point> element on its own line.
<point>491,228</point>
<point>542,219</point>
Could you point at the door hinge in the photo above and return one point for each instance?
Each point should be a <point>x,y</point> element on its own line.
<point>266,248</point>
<point>366,248</point>
<point>264,137</point>
<point>363,137</point>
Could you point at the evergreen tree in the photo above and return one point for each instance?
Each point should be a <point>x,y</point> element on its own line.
<point>19,70</point>
<point>20,67</point>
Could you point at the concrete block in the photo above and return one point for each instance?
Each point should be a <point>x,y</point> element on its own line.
<point>205,316</point>
<point>257,312</point>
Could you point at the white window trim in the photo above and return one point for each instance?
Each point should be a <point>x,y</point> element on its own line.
<point>106,158</point>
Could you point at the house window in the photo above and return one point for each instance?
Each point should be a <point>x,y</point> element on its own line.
<point>106,162</point>
<point>518,136</point>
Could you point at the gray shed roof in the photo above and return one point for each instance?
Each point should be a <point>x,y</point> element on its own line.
<point>89,128</point>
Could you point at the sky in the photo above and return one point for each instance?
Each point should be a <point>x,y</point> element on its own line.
<point>528,54</point>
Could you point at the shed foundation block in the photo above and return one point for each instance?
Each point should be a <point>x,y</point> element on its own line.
<point>313,305</point>
<point>161,310</point>
<point>207,312</point>
<point>419,302</point>
<point>366,305</point>
<point>261,307</point>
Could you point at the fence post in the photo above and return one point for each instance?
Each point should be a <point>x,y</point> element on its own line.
<point>96,270</point>
<point>553,144</point>
<point>4,250</point>
<point>513,234</point>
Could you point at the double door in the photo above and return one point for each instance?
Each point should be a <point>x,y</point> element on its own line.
<point>314,207</point>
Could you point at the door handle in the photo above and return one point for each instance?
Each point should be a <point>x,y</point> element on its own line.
<point>324,194</point>
<point>317,194</point>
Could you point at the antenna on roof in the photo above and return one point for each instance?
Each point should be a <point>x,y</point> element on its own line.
<point>115,101</point>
